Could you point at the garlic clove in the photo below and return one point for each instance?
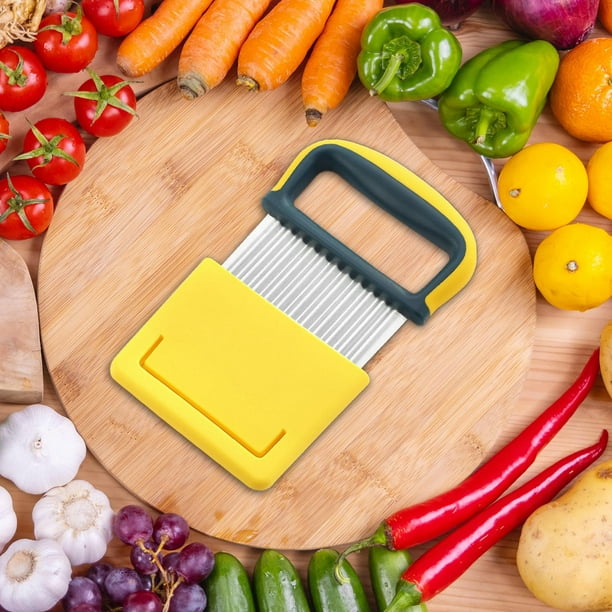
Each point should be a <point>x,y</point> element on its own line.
<point>34,575</point>
<point>39,449</point>
<point>8,518</point>
<point>78,517</point>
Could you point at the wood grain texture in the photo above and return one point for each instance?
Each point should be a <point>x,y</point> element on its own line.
<point>185,183</point>
<point>21,365</point>
<point>562,343</point>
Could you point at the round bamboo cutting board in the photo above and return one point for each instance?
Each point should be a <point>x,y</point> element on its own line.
<point>184,182</point>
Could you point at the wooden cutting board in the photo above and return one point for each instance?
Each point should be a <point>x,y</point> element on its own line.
<point>21,367</point>
<point>184,182</point>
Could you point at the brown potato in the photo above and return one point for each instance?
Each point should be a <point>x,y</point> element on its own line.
<point>564,554</point>
<point>605,356</point>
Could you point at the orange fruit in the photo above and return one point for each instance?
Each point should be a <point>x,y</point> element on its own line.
<point>599,170</point>
<point>581,95</point>
<point>605,14</point>
<point>543,186</point>
<point>572,267</point>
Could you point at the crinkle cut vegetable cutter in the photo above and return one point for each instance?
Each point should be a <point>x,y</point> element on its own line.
<point>251,360</point>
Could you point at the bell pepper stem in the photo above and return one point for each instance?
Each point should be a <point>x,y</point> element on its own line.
<point>406,596</point>
<point>404,56</point>
<point>483,124</point>
<point>388,75</point>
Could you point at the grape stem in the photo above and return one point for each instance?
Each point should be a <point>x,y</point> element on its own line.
<point>169,584</point>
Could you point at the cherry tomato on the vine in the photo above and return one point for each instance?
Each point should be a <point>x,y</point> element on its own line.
<point>23,79</point>
<point>4,132</point>
<point>104,105</point>
<point>26,207</point>
<point>114,17</point>
<point>54,151</point>
<point>66,41</point>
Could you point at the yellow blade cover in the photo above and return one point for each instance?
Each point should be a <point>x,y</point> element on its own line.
<point>236,376</point>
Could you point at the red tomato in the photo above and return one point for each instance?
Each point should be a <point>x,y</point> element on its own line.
<point>54,151</point>
<point>66,41</point>
<point>114,17</point>
<point>104,105</point>
<point>23,79</point>
<point>26,207</point>
<point>4,132</point>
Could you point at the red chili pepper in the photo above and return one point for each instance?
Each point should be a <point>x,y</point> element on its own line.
<point>444,562</point>
<point>432,518</point>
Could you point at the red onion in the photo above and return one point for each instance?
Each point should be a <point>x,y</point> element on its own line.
<point>452,12</point>
<point>563,23</point>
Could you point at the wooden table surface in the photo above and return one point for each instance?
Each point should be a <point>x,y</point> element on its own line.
<point>563,342</point>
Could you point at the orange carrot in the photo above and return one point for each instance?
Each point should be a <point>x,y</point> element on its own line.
<point>332,65</point>
<point>213,45</point>
<point>155,38</point>
<point>280,41</point>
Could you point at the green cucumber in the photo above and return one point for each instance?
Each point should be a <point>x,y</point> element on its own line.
<point>327,592</point>
<point>228,588</point>
<point>277,584</point>
<point>386,567</point>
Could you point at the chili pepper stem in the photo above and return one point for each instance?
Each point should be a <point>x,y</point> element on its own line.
<point>378,538</point>
<point>482,126</point>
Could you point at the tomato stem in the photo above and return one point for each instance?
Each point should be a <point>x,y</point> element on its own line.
<point>16,75</point>
<point>48,149</point>
<point>69,26</point>
<point>17,204</point>
<point>104,95</point>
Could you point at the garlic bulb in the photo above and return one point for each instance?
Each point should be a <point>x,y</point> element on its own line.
<point>39,449</point>
<point>19,20</point>
<point>78,517</point>
<point>8,518</point>
<point>34,575</point>
<point>58,6</point>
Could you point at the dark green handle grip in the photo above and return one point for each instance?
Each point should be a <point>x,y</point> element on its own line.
<point>399,192</point>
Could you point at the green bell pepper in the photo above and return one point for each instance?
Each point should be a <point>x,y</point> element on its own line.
<point>497,96</point>
<point>407,54</point>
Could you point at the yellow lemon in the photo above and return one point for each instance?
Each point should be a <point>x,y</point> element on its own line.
<point>543,186</point>
<point>599,170</point>
<point>572,267</point>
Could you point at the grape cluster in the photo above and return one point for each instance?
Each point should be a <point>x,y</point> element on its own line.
<point>165,573</point>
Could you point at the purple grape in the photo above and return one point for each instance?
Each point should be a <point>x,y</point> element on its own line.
<point>171,530</point>
<point>147,583</point>
<point>132,524</point>
<point>120,582</point>
<point>142,601</point>
<point>195,562</point>
<point>170,561</point>
<point>85,607</point>
<point>82,590</point>
<point>98,572</point>
<point>143,560</point>
<point>188,598</point>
